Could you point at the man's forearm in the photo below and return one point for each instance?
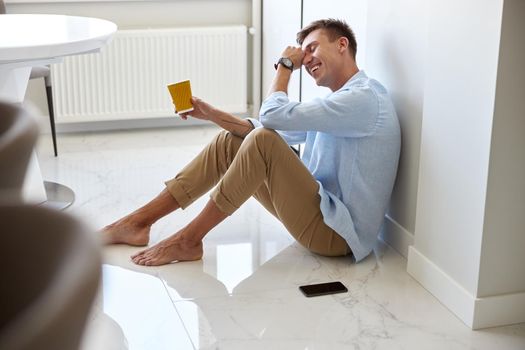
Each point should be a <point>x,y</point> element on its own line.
<point>280,80</point>
<point>235,125</point>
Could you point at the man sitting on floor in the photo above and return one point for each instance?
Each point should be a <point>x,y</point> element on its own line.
<point>332,200</point>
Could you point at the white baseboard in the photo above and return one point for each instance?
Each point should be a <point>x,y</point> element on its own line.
<point>499,310</point>
<point>476,313</point>
<point>107,125</point>
<point>127,124</point>
<point>451,294</point>
<point>396,236</point>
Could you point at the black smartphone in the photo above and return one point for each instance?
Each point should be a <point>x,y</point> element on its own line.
<point>313,290</point>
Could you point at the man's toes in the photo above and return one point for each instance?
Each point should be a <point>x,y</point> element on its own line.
<point>146,255</point>
<point>139,260</point>
<point>142,252</point>
<point>149,260</point>
<point>138,257</point>
<point>155,261</point>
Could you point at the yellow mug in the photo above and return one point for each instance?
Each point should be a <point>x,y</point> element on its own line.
<point>181,95</point>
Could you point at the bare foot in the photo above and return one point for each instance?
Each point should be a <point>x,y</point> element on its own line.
<point>174,248</point>
<point>125,231</point>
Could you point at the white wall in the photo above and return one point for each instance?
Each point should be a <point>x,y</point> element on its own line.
<point>503,241</point>
<point>469,215</point>
<point>460,87</point>
<point>148,14</point>
<point>459,198</point>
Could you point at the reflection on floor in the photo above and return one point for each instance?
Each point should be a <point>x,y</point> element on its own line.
<point>243,294</point>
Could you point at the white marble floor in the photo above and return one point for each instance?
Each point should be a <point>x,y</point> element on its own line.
<point>244,293</point>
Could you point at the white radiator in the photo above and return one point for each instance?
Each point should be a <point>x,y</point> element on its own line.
<point>128,78</point>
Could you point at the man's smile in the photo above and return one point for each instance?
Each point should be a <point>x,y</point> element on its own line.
<point>312,68</point>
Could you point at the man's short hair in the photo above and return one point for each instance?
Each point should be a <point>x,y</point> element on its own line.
<point>334,28</point>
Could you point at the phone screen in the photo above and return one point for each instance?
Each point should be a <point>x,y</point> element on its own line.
<point>313,290</point>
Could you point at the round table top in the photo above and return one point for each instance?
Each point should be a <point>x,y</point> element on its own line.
<point>28,37</point>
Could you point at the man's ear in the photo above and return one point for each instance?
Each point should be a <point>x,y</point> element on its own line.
<point>342,44</point>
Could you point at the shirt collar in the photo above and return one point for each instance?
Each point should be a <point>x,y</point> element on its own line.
<point>360,75</point>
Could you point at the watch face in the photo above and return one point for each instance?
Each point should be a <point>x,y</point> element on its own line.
<point>287,62</point>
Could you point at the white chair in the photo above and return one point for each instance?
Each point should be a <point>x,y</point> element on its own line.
<point>50,270</point>
<point>18,133</point>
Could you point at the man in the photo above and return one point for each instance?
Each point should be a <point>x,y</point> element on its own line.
<point>332,201</point>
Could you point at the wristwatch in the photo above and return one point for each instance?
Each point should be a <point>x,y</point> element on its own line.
<point>286,62</point>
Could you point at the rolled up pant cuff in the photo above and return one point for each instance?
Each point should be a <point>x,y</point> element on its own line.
<point>177,192</point>
<point>222,202</point>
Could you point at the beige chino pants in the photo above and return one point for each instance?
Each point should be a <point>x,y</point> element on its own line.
<point>261,165</point>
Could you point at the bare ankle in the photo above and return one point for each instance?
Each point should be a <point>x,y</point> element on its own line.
<point>189,237</point>
<point>136,220</point>
<point>126,232</point>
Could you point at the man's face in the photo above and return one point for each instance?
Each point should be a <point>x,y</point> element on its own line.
<point>321,57</point>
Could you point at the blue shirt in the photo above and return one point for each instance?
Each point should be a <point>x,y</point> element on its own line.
<point>352,142</point>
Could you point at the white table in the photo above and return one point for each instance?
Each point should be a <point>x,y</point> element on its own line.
<point>33,40</point>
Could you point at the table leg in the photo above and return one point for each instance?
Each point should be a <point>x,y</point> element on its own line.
<point>13,83</point>
<point>33,190</point>
<point>13,86</point>
<point>58,196</point>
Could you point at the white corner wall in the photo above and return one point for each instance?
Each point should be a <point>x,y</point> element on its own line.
<point>455,72</point>
<point>459,93</point>
<point>504,228</point>
<point>460,87</point>
<point>501,287</point>
<point>469,218</point>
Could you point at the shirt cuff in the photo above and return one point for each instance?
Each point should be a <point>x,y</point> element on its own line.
<point>256,124</point>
